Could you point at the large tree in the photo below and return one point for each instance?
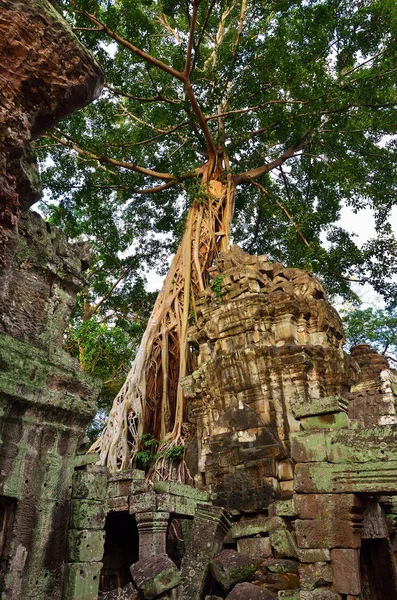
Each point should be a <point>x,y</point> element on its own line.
<point>278,112</point>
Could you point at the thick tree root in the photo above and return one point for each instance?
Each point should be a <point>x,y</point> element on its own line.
<point>151,399</point>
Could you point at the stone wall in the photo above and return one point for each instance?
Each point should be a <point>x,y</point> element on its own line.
<point>45,400</point>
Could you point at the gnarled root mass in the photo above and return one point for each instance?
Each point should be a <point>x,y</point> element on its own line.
<point>151,399</point>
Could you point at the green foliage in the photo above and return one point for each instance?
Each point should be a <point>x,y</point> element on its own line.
<point>216,287</point>
<point>375,327</point>
<point>321,68</point>
<point>148,454</point>
<point>151,450</point>
<point>175,453</point>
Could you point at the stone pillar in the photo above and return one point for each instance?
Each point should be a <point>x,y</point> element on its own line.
<point>210,526</point>
<point>152,529</point>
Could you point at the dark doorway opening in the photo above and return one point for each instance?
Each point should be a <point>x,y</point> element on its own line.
<point>378,570</point>
<point>121,550</point>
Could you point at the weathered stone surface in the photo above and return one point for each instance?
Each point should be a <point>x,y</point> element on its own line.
<point>338,420</point>
<point>248,591</point>
<point>285,508</point>
<point>87,514</point>
<point>280,565</point>
<point>249,526</point>
<point>128,592</point>
<point>231,567</point>
<point>308,446</point>
<point>320,406</point>
<point>178,489</point>
<point>346,571</point>
<point>208,532</point>
<point>241,395</point>
<point>155,575</point>
<point>283,543</point>
<point>314,575</point>
<point>310,555</point>
<point>85,545</point>
<point>152,530</point>
<point>88,485</point>
<point>81,581</point>
<point>339,478</point>
<point>255,548</point>
<point>40,84</point>
<point>319,594</point>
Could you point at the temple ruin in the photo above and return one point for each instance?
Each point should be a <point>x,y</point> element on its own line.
<point>293,441</point>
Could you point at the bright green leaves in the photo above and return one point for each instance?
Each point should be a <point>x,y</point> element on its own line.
<point>279,70</point>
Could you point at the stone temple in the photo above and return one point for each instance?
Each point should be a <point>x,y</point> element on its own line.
<point>293,441</point>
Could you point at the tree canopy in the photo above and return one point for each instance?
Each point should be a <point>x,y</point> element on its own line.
<point>376,327</point>
<point>288,105</point>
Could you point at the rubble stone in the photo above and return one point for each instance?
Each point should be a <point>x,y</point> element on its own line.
<point>248,591</point>
<point>155,575</point>
<point>231,567</point>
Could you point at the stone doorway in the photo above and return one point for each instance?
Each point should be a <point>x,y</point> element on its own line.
<point>121,551</point>
<point>378,570</point>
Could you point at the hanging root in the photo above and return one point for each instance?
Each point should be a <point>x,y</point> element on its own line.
<point>151,399</point>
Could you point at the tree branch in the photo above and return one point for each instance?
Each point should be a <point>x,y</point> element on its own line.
<point>248,176</point>
<point>190,44</point>
<point>126,44</point>
<point>158,98</point>
<point>111,161</point>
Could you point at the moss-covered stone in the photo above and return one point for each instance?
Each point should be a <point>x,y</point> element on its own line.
<point>85,545</point>
<point>337,420</point>
<point>88,485</point>
<point>82,581</point>
<point>87,514</point>
<point>230,568</point>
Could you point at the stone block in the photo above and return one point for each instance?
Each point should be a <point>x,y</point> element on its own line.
<point>338,420</point>
<point>319,594</point>
<point>248,591</point>
<point>314,575</point>
<point>308,446</point>
<point>87,514</point>
<point>143,502</point>
<point>85,545</point>
<point>230,567</point>
<point>287,488</point>
<point>179,489</point>
<point>126,487</point>
<point>321,506</point>
<point>281,565</point>
<point>252,526</point>
<point>327,534</point>
<point>339,478</point>
<point>320,406</point>
<point>255,548</point>
<point>285,508</point>
<point>288,595</point>
<point>118,504</point>
<point>365,445</point>
<point>81,460</point>
<point>283,543</point>
<point>311,555</point>
<point>346,571</point>
<point>89,486</point>
<point>82,581</point>
<point>285,470</point>
<point>180,505</point>
<point>155,575</point>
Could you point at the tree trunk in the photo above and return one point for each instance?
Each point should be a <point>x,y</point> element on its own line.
<point>151,400</point>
